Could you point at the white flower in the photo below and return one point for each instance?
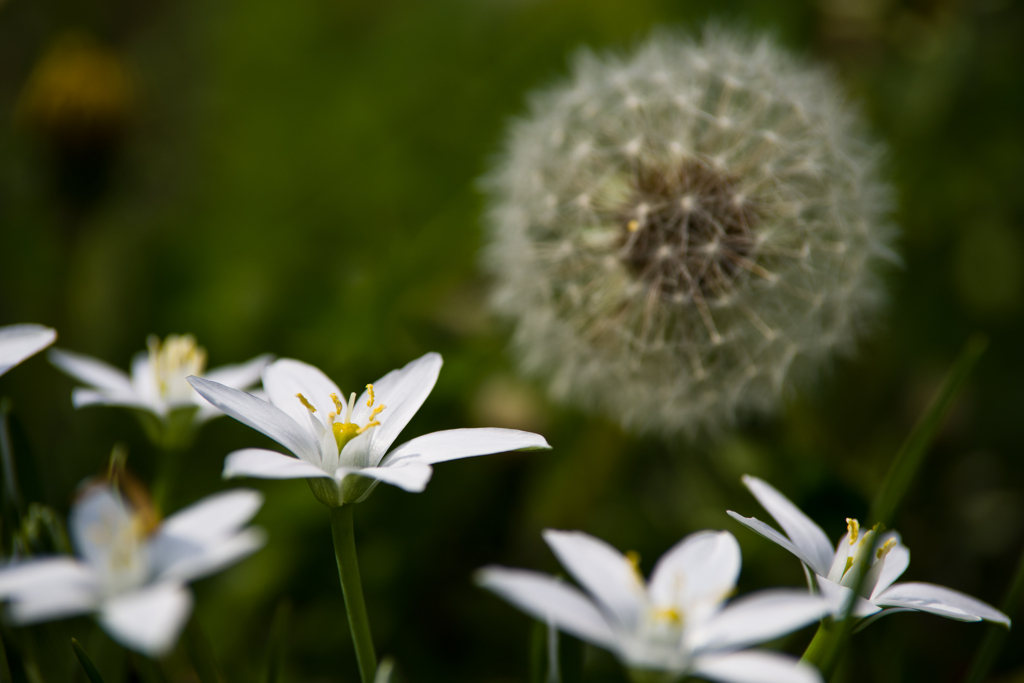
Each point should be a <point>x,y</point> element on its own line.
<point>158,377</point>
<point>833,573</point>
<point>676,623</point>
<point>129,573</point>
<point>334,438</point>
<point>18,342</point>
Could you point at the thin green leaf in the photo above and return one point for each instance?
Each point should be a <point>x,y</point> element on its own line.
<point>5,669</point>
<point>90,670</point>
<point>277,645</point>
<point>201,653</point>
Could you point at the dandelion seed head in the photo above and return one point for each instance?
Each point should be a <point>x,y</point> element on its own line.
<point>727,220</point>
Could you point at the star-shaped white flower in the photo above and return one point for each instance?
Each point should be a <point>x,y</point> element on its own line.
<point>18,342</point>
<point>677,622</point>
<point>129,573</point>
<point>158,381</point>
<point>833,573</point>
<point>341,445</point>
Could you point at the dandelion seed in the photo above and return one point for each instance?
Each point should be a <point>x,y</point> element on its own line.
<point>740,241</point>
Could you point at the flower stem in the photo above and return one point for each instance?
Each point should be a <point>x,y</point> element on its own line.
<point>348,570</point>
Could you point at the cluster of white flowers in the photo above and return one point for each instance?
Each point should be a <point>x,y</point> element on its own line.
<point>679,234</point>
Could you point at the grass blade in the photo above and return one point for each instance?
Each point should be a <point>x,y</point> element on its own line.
<point>83,659</point>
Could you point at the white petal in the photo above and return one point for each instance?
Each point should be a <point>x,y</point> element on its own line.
<point>264,464</point>
<point>770,533</point>
<point>550,600</point>
<point>144,382</point>
<point>940,600</point>
<point>896,562</point>
<point>97,515</point>
<point>602,570</point>
<point>82,397</point>
<point>214,517</point>
<point>759,617</point>
<point>179,559</point>
<point>284,379</point>
<point>464,443</point>
<point>58,603</point>
<point>697,574</point>
<point>403,391</point>
<point>801,529</point>
<point>412,477</point>
<point>261,416</point>
<point>755,666</point>
<point>18,342</point>
<point>149,620</point>
<point>94,372</point>
<point>839,596</point>
<point>43,576</point>
<point>240,375</point>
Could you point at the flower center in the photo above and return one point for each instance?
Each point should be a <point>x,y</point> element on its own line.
<point>172,361</point>
<point>865,544</point>
<point>345,430</point>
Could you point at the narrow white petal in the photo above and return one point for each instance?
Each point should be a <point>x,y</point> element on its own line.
<point>214,517</point>
<point>839,597</point>
<point>261,416</point>
<point>240,375</point>
<point>867,621</point>
<point>98,513</point>
<point>550,600</point>
<point>759,617</point>
<point>412,477</point>
<point>453,444</point>
<point>285,378</point>
<point>43,576</point>
<point>940,600</point>
<point>184,560</point>
<point>82,397</point>
<point>896,562</point>
<point>801,529</point>
<point>697,574</point>
<point>149,620</point>
<point>18,342</point>
<point>403,391</point>
<point>93,372</point>
<point>57,603</point>
<point>770,533</point>
<point>603,572</point>
<point>755,666</point>
<point>144,382</point>
<point>264,464</point>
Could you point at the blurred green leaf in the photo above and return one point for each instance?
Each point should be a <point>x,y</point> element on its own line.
<point>87,665</point>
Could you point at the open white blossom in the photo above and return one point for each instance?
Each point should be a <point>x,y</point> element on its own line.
<point>130,570</point>
<point>683,233</point>
<point>834,573</point>
<point>18,342</point>
<point>157,383</point>
<point>341,445</point>
<point>677,622</point>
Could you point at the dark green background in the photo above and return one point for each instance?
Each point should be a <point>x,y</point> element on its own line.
<point>299,178</point>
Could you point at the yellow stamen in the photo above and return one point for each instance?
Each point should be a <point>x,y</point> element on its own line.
<point>338,405</point>
<point>306,403</point>
<point>369,401</point>
<point>633,557</point>
<point>853,526</point>
<point>633,225</point>
<point>668,614</point>
<point>884,550</point>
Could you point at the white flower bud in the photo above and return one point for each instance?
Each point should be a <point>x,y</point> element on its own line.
<point>681,235</point>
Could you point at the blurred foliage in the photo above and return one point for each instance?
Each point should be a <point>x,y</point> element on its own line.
<point>299,178</point>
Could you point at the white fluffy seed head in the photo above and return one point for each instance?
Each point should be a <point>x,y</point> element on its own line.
<point>728,243</point>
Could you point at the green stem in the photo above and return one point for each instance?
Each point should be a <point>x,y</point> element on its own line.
<point>5,669</point>
<point>201,653</point>
<point>348,570</point>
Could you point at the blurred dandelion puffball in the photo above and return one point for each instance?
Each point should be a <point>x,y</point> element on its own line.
<point>681,235</point>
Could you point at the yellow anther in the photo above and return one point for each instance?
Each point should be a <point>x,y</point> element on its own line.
<point>371,423</point>
<point>668,614</point>
<point>853,526</point>
<point>309,406</point>
<point>884,550</point>
<point>338,405</point>
<point>376,411</point>
<point>633,557</point>
<point>633,225</point>
<point>369,401</point>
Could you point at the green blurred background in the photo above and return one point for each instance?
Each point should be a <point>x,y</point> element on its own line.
<point>299,178</point>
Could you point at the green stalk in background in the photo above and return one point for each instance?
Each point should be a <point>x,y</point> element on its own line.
<point>201,653</point>
<point>827,647</point>
<point>995,636</point>
<point>348,570</point>
<point>90,670</point>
